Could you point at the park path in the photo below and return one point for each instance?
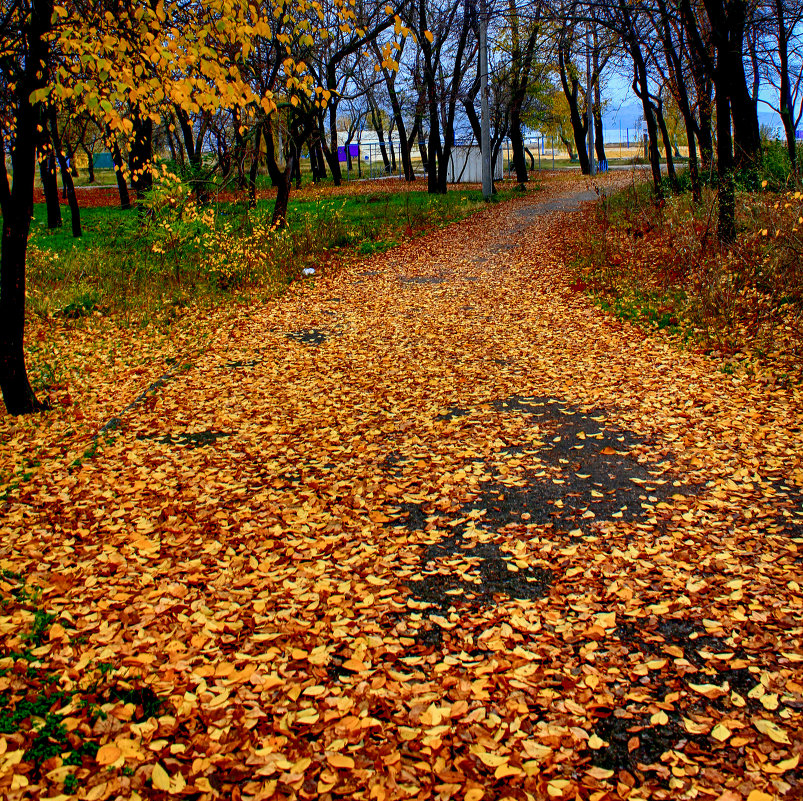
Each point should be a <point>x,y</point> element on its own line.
<point>435,527</point>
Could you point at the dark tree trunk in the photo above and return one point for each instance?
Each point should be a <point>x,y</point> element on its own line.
<point>332,157</point>
<point>90,163</point>
<point>571,91</point>
<point>599,135</point>
<point>296,169</point>
<point>681,95</point>
<point>380,133</point>
<point>328,156</point>
<point>596,109</point>
<point>434,145</point>
<point>185,123</point>
<point>141,154</point>
<point>392,150</point>
<point>405,144</point>
<point>66,176</point>
<point>253,172</point>
<point>422,148</point>
<point>517,144</point>
<point>726,190</point>
<point>642,91</point>
<point>728,21</point>
<point>239,150</point>
<point>670,162</point>
<point>705,134</point>
<point>17,206</point>
<point>785,94</point>
<point>746,138</point>
<point>279,218</point>
<point>50,187</point>
<point>119,171</point>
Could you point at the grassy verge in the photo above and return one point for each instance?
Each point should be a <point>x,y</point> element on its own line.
<point>173,267</point>
<point>660,265</point>
<point>139,265</point>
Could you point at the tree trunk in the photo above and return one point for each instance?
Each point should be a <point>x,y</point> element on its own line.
<point>252,173</point>
<point>279,218</point>
<point>642,91</point>
<point>571,90</point>
<point>746,138</point>
<point>119,171</point>
<point>681,96</point>
<point>90,163</point>
<point>434,145</point>
<point>705,134</point>
<point>66,176</point>
<point>193,154</point>
<point>334,161</point>
<point>670,162</point>
<point>141,154</point>
<point>726,190</point>
<point>50,188</point>
<point>17,206</point>
<point>517,144</point>
<point>785,93</point>
<point>599,134</point>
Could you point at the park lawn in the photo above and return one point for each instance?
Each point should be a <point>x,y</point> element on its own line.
<point>140,267</point>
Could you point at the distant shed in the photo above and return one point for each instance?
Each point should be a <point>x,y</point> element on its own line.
<point>465,165</point>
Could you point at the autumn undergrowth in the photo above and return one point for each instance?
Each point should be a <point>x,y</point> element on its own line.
<point>660,265</point>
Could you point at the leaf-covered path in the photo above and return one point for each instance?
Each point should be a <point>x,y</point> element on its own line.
<point>435,527</point>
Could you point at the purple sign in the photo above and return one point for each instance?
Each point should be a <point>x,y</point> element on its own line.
<point>354,152</point>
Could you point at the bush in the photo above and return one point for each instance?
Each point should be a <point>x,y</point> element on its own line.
<point>661,265</point>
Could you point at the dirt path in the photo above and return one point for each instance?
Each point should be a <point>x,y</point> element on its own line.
<point>435,527</point>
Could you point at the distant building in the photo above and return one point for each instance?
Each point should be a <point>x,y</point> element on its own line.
<point>465,165</point>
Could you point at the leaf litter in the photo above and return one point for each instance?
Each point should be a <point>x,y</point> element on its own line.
<point>485,542</point>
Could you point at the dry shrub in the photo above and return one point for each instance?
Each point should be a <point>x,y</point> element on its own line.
<point>661,263</point>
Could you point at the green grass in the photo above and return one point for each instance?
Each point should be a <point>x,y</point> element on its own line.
<point>142,268</point>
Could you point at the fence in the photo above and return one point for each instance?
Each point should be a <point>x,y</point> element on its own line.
<point>364,160</point>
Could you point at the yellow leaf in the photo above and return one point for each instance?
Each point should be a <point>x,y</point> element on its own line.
<point>556,787</point>
<point>428,35</point>
<point>160,778</point>
<point>595,742</point>
<point>492,760</point>
<point>474,794</point>
<point>340,761</point>
<point>710,690</point>
<point>758,795</point>
<point>660,718</point>
<point>600,773</point>
<point>432,716</point>
<point>693,727</point>
<point>108,754</point>
<point>507,770</point>
<point>783,765</point>
<point>775,733</point>
<point>720,732</point>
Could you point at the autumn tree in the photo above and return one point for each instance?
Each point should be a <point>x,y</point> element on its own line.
<point>102,57</point>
